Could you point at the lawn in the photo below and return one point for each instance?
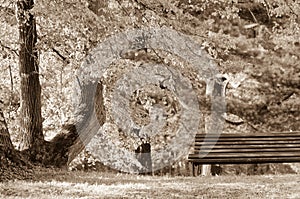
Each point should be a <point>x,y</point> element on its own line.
<point>62,185</point>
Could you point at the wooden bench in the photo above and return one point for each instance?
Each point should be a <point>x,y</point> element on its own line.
<point>245,149</point>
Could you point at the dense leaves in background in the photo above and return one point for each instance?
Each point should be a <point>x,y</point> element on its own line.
<point>257,40</point>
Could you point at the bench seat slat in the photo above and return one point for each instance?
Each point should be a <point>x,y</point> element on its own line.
<point>246,150</point>
<point>247,139</point>
<point>245,155</point>
<point>261,135</point>
<point>249,143</point>
<point>269,146</point>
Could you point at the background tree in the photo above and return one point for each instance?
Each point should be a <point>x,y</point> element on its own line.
<point>6,145</point>
<point>12,165</point>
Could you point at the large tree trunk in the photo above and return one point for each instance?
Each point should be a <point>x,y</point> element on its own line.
<point>57,152</point>
<point>33,145</point>
<point>31,121</point>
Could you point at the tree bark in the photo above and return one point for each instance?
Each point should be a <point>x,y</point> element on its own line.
<point>12,165</point>
<point>5,142</point>
<point>31,121</point>
<point>94,116</point>
<point>66,145</point>
<point>33,146</point>
<point>8,155</point>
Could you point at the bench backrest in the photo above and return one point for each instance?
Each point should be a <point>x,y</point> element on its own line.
<point>246,148</point>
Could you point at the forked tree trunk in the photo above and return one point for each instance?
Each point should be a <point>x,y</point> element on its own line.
<point>58,151</point>
<point>33,145</point>
<point>31,121</point>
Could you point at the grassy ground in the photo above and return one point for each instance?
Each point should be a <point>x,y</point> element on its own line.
<point>64,185</point>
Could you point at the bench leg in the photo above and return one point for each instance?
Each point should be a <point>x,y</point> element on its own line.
<point>193,169</point>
